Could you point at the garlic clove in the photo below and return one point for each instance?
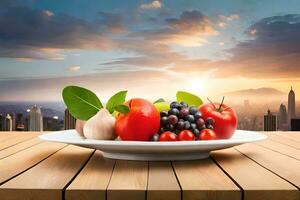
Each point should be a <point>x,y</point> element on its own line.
<point>101,126</point>
<point>79,127</point>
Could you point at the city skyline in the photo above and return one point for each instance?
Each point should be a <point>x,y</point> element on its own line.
<point>205,47</point>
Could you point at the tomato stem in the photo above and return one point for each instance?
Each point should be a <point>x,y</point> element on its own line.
<point>220,107</point>
<point>211,103</point>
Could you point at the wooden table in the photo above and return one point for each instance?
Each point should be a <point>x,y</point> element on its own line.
<point>32,169</point>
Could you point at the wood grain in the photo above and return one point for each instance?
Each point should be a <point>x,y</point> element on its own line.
<point>162,182</point>
<point>291,135</point>
<point>93,180</point>
<point>17,163</point>
<point>284,166</point>
<point>46,180</point>
<point>18,147</point>
<point>15,139</point>
<point>281,148</point>
<point>284,140</point>
<point>257,182</point>
<point>128,181</point>
<point>203,179</point>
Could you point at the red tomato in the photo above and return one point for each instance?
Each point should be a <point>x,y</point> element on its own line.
<point>225,119</point>
<point>207,134</point>
<point>140,123</point>
<point>186,135</point>
<point>167,136</point>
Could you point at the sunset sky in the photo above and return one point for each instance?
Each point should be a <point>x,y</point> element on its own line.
<point>151,48</point>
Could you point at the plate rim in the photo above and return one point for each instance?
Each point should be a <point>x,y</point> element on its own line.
<point>259,136</point>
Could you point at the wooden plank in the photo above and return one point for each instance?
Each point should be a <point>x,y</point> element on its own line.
<point>17,163</point>
<point>257,182</point>
<point>92,181</point>
<point>284,166</point>
<point>18,147</point>
<point>281,148</point>
<point>16,139</point>
<point>46,180</point>
<point>291,135</point>
<point>162,182</point>
<point>203,179</point>
<point>283,140</point>
<point>128,181</point>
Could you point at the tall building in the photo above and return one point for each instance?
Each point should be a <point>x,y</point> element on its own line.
<point>282,118</point>
<point>35,119</point>
<point>70,121</point>
<point>291,106</point>
<point>270,122</point>
<point>6,123</point>
<point>295,124</point>
<point>20,122</point>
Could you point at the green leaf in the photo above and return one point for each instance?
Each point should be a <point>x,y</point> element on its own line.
<point>159,100</point>
<point>82,103</point>
<point>115,100</point>
<point>189,98</point>
<point>122,109</point>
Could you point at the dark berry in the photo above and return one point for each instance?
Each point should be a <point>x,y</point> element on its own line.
<point>184,105</point>
<point>161,130</point>
<point>210,121</point>
<point>164,120</point>
<point>197,115</point>
<point>183,113</point>
<point>202,127</point>
<point>190,118</point>
<point>173,111</point>
<point>163,114</point>
<point>193,126</point>
<point>187,125</point>
<point>176,105</point>
<point>200,122</point>
<point>169,127</point>
<point>155,137</point>
<point>193,110</point>
<point>209,126</point>
<point>172,119</point>
<point>180,125</point>
<point>181,120</point>
<point>196,132</point>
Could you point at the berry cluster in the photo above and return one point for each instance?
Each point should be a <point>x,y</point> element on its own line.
<point>182,117</point>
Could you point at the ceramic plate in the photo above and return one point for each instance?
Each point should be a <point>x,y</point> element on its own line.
<point>133,150</point>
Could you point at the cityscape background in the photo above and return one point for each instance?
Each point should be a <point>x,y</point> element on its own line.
<point>247,51</point>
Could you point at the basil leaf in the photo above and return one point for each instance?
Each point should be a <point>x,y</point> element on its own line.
<point>82,103</point>
<point>189,98</point>
<point>122,109</point>
<point>115,100</point>
<point>159,100</point>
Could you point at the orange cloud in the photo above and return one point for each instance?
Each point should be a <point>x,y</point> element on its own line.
<point>152,5</point>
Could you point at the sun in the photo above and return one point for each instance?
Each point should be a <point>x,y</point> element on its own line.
<point>196,86</point>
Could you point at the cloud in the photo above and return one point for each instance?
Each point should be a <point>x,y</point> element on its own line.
<point>151,5</point>
<point>75,68</point>
<point>41,34</point>
<point>112,22</point>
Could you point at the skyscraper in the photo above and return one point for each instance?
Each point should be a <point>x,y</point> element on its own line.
<point>270,123</point>
<point>291,106</point>
<point>69,121</point>
<point>35,119</point>
<point>6,123</point>
<point>282,118</point>
<point>20,122</point>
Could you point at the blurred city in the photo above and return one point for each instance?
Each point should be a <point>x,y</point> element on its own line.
<point>274,115</point>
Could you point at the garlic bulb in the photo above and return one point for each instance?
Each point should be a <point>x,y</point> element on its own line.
<point>79,127</point>
<point>100,127</point>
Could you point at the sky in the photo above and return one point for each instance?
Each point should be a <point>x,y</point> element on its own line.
<point>151,48</point>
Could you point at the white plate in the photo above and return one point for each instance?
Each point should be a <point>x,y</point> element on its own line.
<point>133,150</point>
